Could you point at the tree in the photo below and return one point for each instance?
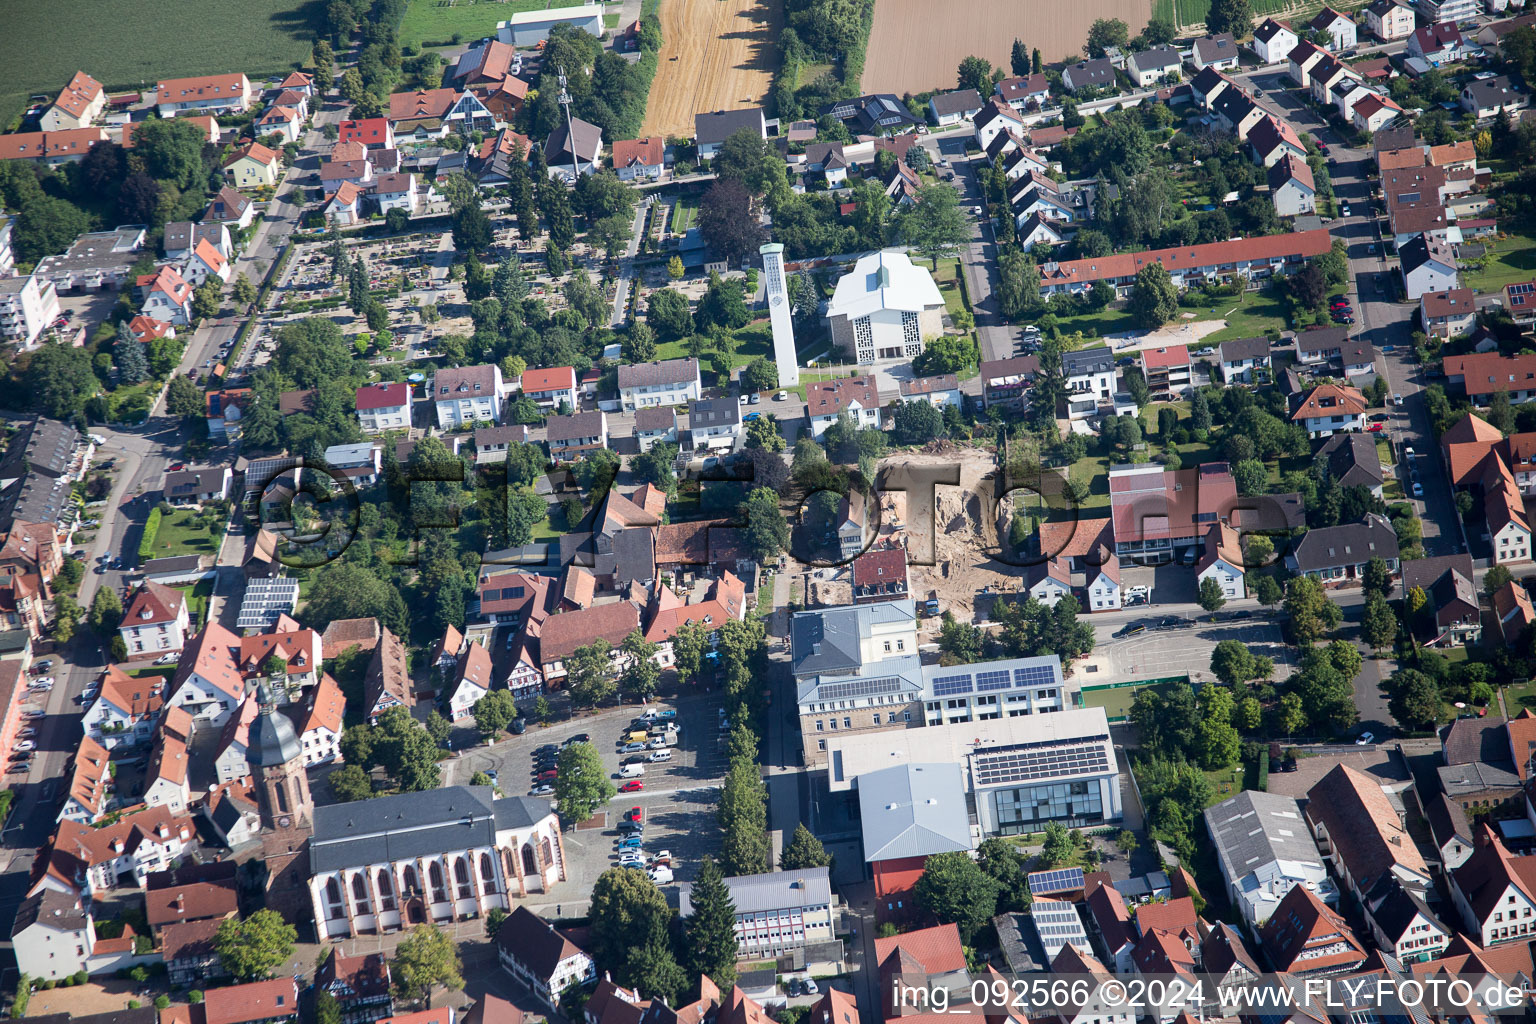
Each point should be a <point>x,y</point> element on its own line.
<point>350,782</point>
<point>916,423</point>
<point>675,269</point>
<point>804,851</point>
<point>255,947</point>
<point>667,314</point>
<point>975,73</point>
<point>1414,700</point>
<point>1154,300</point>
<point>1311,614</point>
<point>1496,579</point>
<point>1001,861</point>
<point>66,615</point>
<point>641,673</point>
<point>242,291</point>
<point>494,712</point>
<point>59,379</point>
<point>1250,475</point>
<point>1378,623</point>
<point>727,223</point>
<point>424,960</point>
<point>688,646</point>
<point>934,224</point>
<point>1058,846</point>
<point>1377,578</point>
<point>405,750</point>
<point>471,229</point>
<point>954,890</point>
<point>555,204</point>
<point>764,434</point>
<point>722,305</point>
<point>494,919</point>
<point>1267,589</point>
<point>1104,33</point>
<point>1211,596</point>
<point>748,158</point>
<point>710,930</point>
<point>1233,663</point>
<point>743,816</point>
<point>1235,16</point>
<point>1218,741</point>
<point>128,355</point>
<point>1018,59</point>
<point>106,611</point>
<point>589,673</point>
<point>581,785</point>
<point>760,375</point>
<point>207,299</point>
<point>170,150</point>
<point>766,532</point>
<point>1257,550</point>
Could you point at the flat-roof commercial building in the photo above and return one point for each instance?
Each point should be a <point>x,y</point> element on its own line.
<point>1265,848</point>
<point>857,670</point>
<point>777,912</point>
<point>1017,773</point>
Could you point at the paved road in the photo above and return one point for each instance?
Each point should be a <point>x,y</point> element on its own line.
<point>627,263</point>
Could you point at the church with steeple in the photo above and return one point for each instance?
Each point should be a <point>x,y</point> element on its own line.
<point>276,759</point>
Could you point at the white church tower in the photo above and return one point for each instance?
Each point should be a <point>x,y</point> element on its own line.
<point>778,314</point>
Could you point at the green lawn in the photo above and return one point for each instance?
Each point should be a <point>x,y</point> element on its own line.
<point>947,277</point>
<point>133,43</point>
<point>1512,259</point>
<point>1254,315</point>
<point>753,340</point>
<point>684,213</point>
<point>437,22</point>
<point>544,530</point>
<point>1520,696</point>
<point>197,601</point>
<point>1115,702</point>
<point>179,536</point>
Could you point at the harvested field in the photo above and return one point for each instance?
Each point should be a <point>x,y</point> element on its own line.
<point>916,45</point>
<point>715,55</point>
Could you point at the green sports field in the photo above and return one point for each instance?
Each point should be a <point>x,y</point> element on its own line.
<point>436,22</point>
<point>129,44</point>
<point>1116,702</point>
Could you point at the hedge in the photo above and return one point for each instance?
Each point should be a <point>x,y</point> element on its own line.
<point>151,531</point>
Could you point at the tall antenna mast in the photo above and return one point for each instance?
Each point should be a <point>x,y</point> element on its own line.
<point>570,131</point>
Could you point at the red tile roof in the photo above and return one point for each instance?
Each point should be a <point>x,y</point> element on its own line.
<point>937,949</point>
<point>209,87</point>
<point>563,633</point>
<point>154,603</point>
<point>79,94</point>
<point>255,1000</point>
<point>1172,355</point>
<point>1185,258</point>
<point>383,395</point>
<point>559,378</point>
<point>828,398</point>
<point>648,152</point>
<point>1305,936</point>
<point>1330,400</point>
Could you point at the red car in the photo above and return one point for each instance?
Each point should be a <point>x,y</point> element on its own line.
<point>1339,304</point>
<point>548,776</point>
<point>634,786</point>
<point>1374,428</point>
<point>633,814</point>
<point>176,466</point>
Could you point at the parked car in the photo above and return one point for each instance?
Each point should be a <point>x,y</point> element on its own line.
<point>1418,489</point>
<point>1397,399</point>
<point>632,748</point>
<point>546,776</point>
<point>1365,740</point>
<point>580,737</point>
<point>542,789</point>
<point>632,786</point>
<point>631,859</point>
<point>631,843</point>
<point>1375,428</point>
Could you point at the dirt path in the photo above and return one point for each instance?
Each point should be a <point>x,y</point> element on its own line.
<point>715,55</point>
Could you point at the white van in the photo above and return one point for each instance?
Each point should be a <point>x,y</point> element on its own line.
<point>631,771</point>
<point>657,755</point>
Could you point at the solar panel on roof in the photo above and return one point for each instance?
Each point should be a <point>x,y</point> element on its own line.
<point>1034,675</point>
<point>1037,761</point>
<point>860,688</point>
<point>1044,883</point>
<point>992,681</point>
<point>948,686</point>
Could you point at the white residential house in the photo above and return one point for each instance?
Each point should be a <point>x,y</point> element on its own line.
<point>950,108</point>
<point>470,680</point>
<point>552,388</point>
<point>1301,60</point>
<point>384,406</point>
<point>1222,562</point>
<point>156,620</point>
<point>360,462</point>
<point>1048,581</point>
<point>206,261</point>
<point>532,951</point>
<point>467,395</point>
<point>1243,358</point>
<point>1448,313</point>
<point>651,385</point>
<point>1330,409</point>
<point>1105,594</point>
<point>1428,266</point>
<point>995,118</point>
<point>167,296</point>
<point>1493,896</point>
<point>1486,97</point>
<point>937,391</point>
<point>126,709</point>
<point>286,122</point>
<point>1090,379</point>
<point>885,309</point>
<point>1291,187</point>
<point>1152,66</point>
<point>1273,41</point>
<point>53,935</point>
<point>1389,20</point>
<point>207,95</point>
<point>1218,51</point>
<point>28,306</point>
<point>655,426</point>
<point>857,397</point>
<point>1340,28</point>
<point>398,191</point>
<point>714,423</point>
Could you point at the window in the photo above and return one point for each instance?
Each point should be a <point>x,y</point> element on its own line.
<point>847,723</point>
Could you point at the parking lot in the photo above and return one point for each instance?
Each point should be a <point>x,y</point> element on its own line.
<point>677,802</point>
<point>1155,654</point>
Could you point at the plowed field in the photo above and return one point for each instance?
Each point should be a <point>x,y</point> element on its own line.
<point>916,45</point>
<point>715,55</point>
